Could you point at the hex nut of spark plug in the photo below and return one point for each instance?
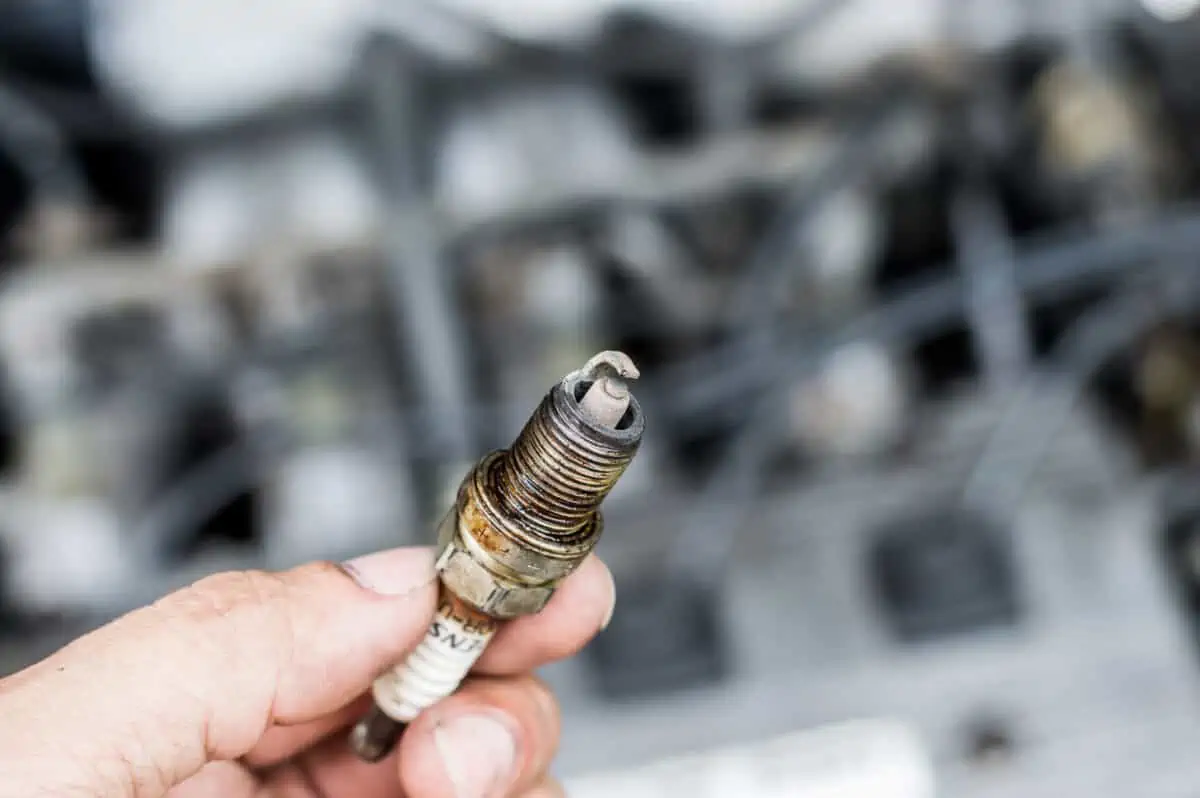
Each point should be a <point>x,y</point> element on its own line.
<point>500,598</point>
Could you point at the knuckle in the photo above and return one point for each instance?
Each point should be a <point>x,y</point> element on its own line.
<point>547,701</point>
<point>223,595</point>
<point>545,727</point>
<point>321,571</point>
<point>235,610</point>
<point>549,788</point>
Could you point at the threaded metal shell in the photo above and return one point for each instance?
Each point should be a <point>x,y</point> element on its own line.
<point>562,465</point>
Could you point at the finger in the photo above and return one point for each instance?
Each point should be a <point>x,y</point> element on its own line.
<point>548,787</point>
<point>203,673</point>
<point>492,738</point>
<point>496,734</point>
<point>283,742</point>
<point>224,779</point>
<point>580,608</point>
<point>331,770</point>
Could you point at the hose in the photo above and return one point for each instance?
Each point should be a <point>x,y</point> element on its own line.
<point>702,549</point>
<point>1025,435</point>
<point>719,383</point>
<point>200,494</point>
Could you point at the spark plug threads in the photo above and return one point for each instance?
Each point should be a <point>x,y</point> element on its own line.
<point>524,519</point>
<point>562,465</point>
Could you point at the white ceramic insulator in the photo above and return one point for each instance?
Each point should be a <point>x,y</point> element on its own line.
<point>435,668</point>
<point>606,401</point>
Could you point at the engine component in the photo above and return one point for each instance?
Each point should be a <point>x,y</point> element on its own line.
<point>1099,137</point>
<point>524,520</point>
<point>943,574</point>
<point>1167,384</point>
<point>96,354</point>
<point>297,52</point>
<point>671,638</point>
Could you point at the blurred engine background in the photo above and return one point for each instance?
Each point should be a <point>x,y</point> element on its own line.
<point>913,286</point>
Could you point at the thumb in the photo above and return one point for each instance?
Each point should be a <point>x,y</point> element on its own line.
<point>143,703</point>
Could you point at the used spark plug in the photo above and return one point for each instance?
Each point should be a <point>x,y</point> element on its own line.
<point>524,519</point>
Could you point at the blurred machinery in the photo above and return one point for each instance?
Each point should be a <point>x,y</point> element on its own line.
<point>912,285</point>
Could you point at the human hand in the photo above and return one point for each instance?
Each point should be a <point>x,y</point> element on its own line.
<point>244,684</point>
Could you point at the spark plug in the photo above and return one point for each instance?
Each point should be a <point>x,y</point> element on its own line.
<point>524,519</point>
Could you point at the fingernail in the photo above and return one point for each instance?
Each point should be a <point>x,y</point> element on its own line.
<point>394,572</point>
<point>479,754</point>
<point>612,601</point>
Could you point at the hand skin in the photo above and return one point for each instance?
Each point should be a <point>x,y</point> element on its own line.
<point>245,684</point>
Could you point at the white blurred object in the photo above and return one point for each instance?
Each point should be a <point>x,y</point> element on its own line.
<point>189,63</point>
<point>66,554</point>
<point>855,406</point>
<point>560,293</point>
<point>193,62</point>
<point>844,235</point>
<point>35,320</point>
<point>328,199</point>
<point>840,242</point>
<point>1171,10</point>
<point>228,202</point>
<point>858,759</point>
<point>522,148</point>
<point>211,210</point>
<point>330,501</point>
